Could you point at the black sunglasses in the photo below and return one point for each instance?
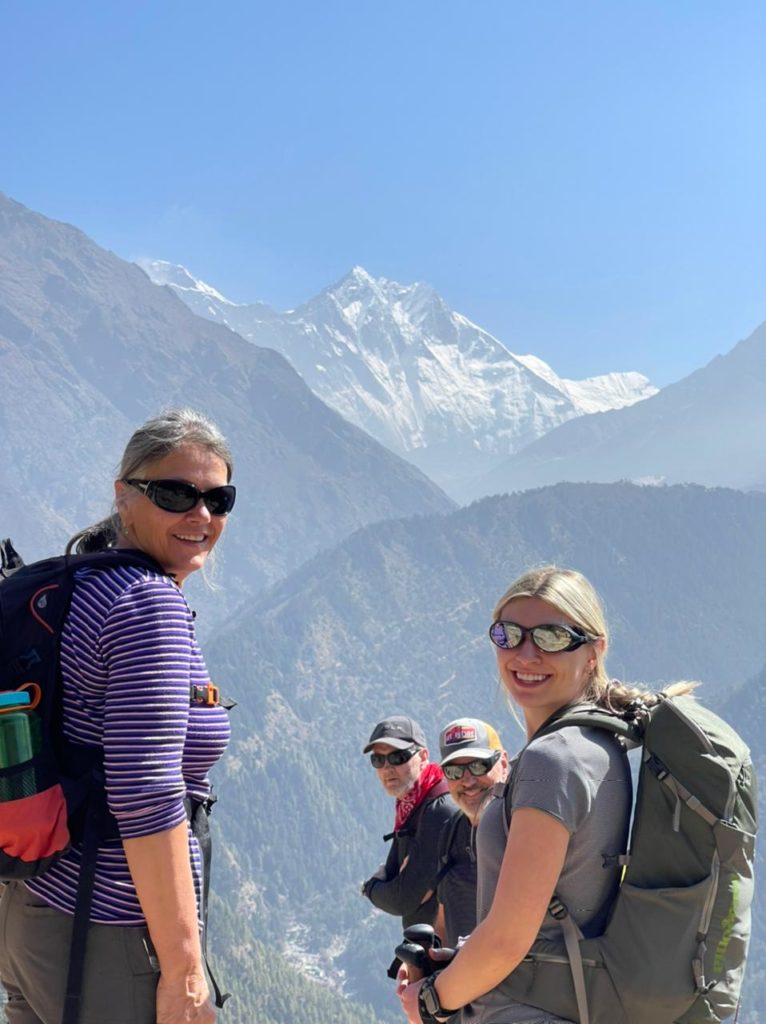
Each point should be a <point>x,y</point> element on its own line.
<point>178,496</point>
<point>395,758</point>
<point>552,638</point>
<point>481,766</point>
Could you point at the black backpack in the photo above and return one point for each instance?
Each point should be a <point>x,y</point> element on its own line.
<point>48,800</point>
<point>58,795</point>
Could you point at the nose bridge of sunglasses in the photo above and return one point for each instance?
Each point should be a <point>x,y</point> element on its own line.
<point>204,506</point>
<point>193,505</point>
<point>197,499</point>
<point>468,772</point>
<point>528,645</point>
<point>396,758</point>
<point>216,500</point>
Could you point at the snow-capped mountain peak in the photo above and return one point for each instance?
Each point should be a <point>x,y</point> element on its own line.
<point>203,299</point>
<point>363,301</point>
<point>178,277</point>
<point>595,394</point>
<point>424,380</point>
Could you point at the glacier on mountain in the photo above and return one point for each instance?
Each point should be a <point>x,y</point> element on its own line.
<point>419,377</point>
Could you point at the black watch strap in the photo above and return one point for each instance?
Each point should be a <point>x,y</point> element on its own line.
<point>429,1007</point>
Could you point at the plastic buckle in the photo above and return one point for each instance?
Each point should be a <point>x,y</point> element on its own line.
<point>635,710</point>
<point>207,695</point>
<point>657,768</point>
<point>557,909</point>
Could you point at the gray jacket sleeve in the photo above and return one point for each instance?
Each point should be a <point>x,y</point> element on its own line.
<point>404,892</point>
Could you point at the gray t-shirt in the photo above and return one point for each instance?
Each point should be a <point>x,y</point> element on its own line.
<point>581,776</point>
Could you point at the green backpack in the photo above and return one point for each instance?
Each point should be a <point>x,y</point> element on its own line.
<point>675,945</point>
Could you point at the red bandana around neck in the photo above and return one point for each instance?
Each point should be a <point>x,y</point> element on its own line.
<point>416,794</point>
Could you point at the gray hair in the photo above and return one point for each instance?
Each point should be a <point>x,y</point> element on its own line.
<point>151,442</point>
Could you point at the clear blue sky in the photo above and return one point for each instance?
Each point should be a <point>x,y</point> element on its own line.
<point>587,180</point>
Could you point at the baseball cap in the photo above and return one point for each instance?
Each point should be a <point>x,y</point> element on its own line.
<point>467,736</point>
<point>399,732</point>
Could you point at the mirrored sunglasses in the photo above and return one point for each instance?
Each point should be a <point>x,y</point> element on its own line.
<point>178,496</point>
<point>481,766</point>
<point>550,638</point>
<point>395,758</point>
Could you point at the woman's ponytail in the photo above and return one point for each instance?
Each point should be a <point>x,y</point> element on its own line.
<point>616,696</point>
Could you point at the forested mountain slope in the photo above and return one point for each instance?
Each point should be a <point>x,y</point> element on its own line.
<point>395,619</point>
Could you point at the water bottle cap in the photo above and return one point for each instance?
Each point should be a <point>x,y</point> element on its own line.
<point>11,697</point>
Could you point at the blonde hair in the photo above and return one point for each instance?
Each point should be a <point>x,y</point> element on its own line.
<point>572,594</point>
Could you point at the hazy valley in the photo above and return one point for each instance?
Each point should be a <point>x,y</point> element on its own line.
<point>351,585</point>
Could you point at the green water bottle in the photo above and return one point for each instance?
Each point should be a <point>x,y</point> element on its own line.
<point>17,744</point>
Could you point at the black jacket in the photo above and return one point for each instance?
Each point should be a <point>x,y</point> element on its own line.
<point>403,891</point>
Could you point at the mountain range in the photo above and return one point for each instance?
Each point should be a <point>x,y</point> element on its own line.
<point>350,585</point>
<point>89,347</point>
<point>707,428</point>
<point>394,619</point>
<point>420,378</point>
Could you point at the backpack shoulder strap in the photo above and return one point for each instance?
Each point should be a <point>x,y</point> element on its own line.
<point>438,789</point>
<point>629,731</point>
<point>446,841</point>
<point>627,727</point>
<point>45,588</point>
<point>114,557</point>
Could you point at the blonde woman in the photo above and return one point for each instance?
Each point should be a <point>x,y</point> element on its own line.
<point>570,805</point>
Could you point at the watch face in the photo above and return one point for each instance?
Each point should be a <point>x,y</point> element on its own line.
<point>430,998</point>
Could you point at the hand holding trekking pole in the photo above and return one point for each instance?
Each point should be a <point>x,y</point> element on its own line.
<point>421,953</point>
<point>413,951</point>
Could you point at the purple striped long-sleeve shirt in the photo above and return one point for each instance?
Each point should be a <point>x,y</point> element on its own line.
<point>128,659</point>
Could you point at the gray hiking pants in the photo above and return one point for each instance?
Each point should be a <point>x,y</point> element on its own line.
<point>120,982</point>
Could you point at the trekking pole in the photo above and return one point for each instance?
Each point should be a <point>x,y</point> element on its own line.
<point>413,951</point>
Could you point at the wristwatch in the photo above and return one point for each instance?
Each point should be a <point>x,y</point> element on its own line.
<point>429,1007</point>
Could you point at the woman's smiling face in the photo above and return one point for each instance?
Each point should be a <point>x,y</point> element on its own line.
<point>179,541</point>
<point>540,682</point>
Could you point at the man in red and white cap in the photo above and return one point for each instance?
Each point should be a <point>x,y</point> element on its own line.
<point>475,765</point>
<point>405,885</point>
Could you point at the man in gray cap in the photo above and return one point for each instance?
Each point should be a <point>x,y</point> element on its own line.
<point>405,885</point>
<point>474,762</point>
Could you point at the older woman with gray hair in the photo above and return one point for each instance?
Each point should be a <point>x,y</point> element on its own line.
<point>134,683</point>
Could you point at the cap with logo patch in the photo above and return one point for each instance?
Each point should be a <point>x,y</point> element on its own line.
<point>466,736</point>
<point>398,732</point>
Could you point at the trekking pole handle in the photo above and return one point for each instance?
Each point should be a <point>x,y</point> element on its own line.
<point>413,952</point>
<point>417,961</point>
<point>422,935</point>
